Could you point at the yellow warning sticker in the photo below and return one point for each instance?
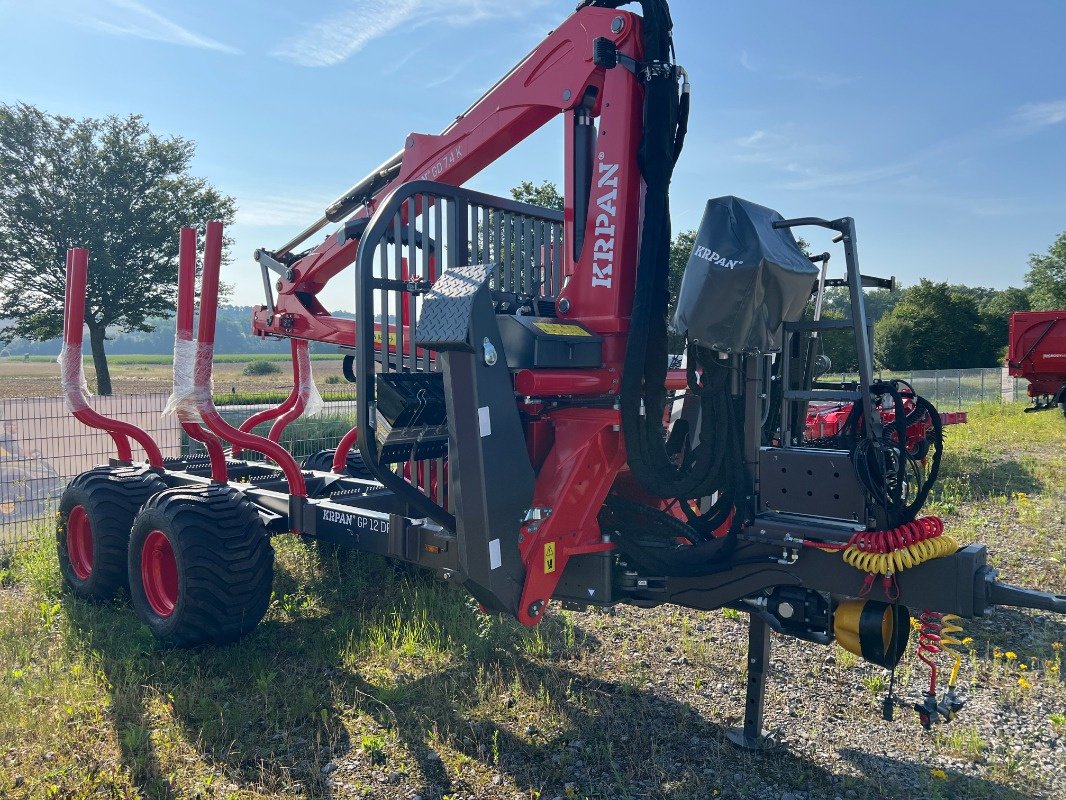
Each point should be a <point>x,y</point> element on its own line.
<point>549,557</point>
<point>562,329</point>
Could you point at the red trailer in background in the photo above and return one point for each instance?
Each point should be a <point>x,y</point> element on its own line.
<point>1037,352</point>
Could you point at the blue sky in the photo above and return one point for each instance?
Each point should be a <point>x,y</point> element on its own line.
<point>940,126</point>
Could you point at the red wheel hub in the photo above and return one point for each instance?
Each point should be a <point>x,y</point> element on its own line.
<point>80,542</point>
<point>159,573</point>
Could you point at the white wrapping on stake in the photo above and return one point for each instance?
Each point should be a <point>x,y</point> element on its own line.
<point>72,378</point>
<point>183,399</point>
<point>313,402</point>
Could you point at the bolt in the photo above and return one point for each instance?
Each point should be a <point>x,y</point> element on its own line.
<point>618,24</point>
<point>786,610</point>
<point>534,608</point>
<point>290,275</point>
<point>564,305</point>
<point>490,352</point>
<point>566,95</point>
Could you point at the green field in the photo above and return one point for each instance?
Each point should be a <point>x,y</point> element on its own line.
<point>167,358</point>
<point>369,681</point>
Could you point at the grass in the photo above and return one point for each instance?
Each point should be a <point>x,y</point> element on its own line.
<point>365,679</point>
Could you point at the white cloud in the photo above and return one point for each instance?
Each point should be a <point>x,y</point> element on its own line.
<point>276,211</point>
<point>131,18</point>
<point>337,38</point>
<point>778,72</point>
<point>806,164</point>
<point>1034,116</point>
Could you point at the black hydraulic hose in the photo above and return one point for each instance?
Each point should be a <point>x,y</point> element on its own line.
<point>683,107</point>
<point>643,393</point>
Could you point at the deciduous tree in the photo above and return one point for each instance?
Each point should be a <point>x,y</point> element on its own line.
<point>110,185</point>
<point>1046,279</point>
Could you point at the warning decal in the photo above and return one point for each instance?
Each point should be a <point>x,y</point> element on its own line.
<point>549,557</point>
<point>562,329</point>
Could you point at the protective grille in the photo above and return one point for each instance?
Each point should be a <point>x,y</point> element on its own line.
<point>423,229</point>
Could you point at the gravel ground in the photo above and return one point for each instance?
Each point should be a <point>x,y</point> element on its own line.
<point>648,713</point>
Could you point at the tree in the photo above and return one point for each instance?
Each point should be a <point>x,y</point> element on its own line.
<point>680,250</point>
<point>995,316</point>
<point>110,185</point>
<point>546,195</point>
<point>932,327</point>
<point>1046,279</point>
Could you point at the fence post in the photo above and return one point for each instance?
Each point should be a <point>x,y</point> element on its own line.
<point>936,388</point>
<point>982,385</point>
<point>960,388</point>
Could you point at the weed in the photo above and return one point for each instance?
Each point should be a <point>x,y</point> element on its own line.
<point>875,683</point>
<point>965,741</point>
<point>260,366</point>
<point>374,746</point>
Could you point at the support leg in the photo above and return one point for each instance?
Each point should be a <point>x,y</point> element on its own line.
<point>752,736</point>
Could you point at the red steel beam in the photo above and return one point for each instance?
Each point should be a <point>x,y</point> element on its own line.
<point>183,333</point>
<point>72,376</point>
<point>203,366</point>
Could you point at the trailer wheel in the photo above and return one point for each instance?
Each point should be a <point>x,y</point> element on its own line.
<point>200,566</point>
<point>322,461</point>
<point>96,513</point>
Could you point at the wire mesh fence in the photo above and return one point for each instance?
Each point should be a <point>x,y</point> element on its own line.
<point>954,389</point>
<point>42,447</point>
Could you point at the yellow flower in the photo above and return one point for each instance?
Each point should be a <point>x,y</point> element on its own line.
<point>939,774</point>
<point>1022,682</point>
<point>1010,655</point>
<point>968,640</point>
<point>1053,668</point>
<point>1056,646</point>
<point>997,653</point>
<point>1022,666</point>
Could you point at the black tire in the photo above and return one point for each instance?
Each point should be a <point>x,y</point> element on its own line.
<point>104,502</point>
<point>222,560</point>
<point>322,461</point>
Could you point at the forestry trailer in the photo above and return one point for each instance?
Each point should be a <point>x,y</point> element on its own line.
<point>1037,352</point>
<point>519,430</point>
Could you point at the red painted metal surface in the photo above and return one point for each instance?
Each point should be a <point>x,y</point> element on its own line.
<point>183,333</point>
<point>566,382</point>
<point>73,322</point>
<point>202,372</point>
<point>347,442</point>
<point>159,573</point>
<point>826,420</point>
<point>80,542</point>
<point>1037,350</point>
<point>573,482</point>
<point>546,84</point>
